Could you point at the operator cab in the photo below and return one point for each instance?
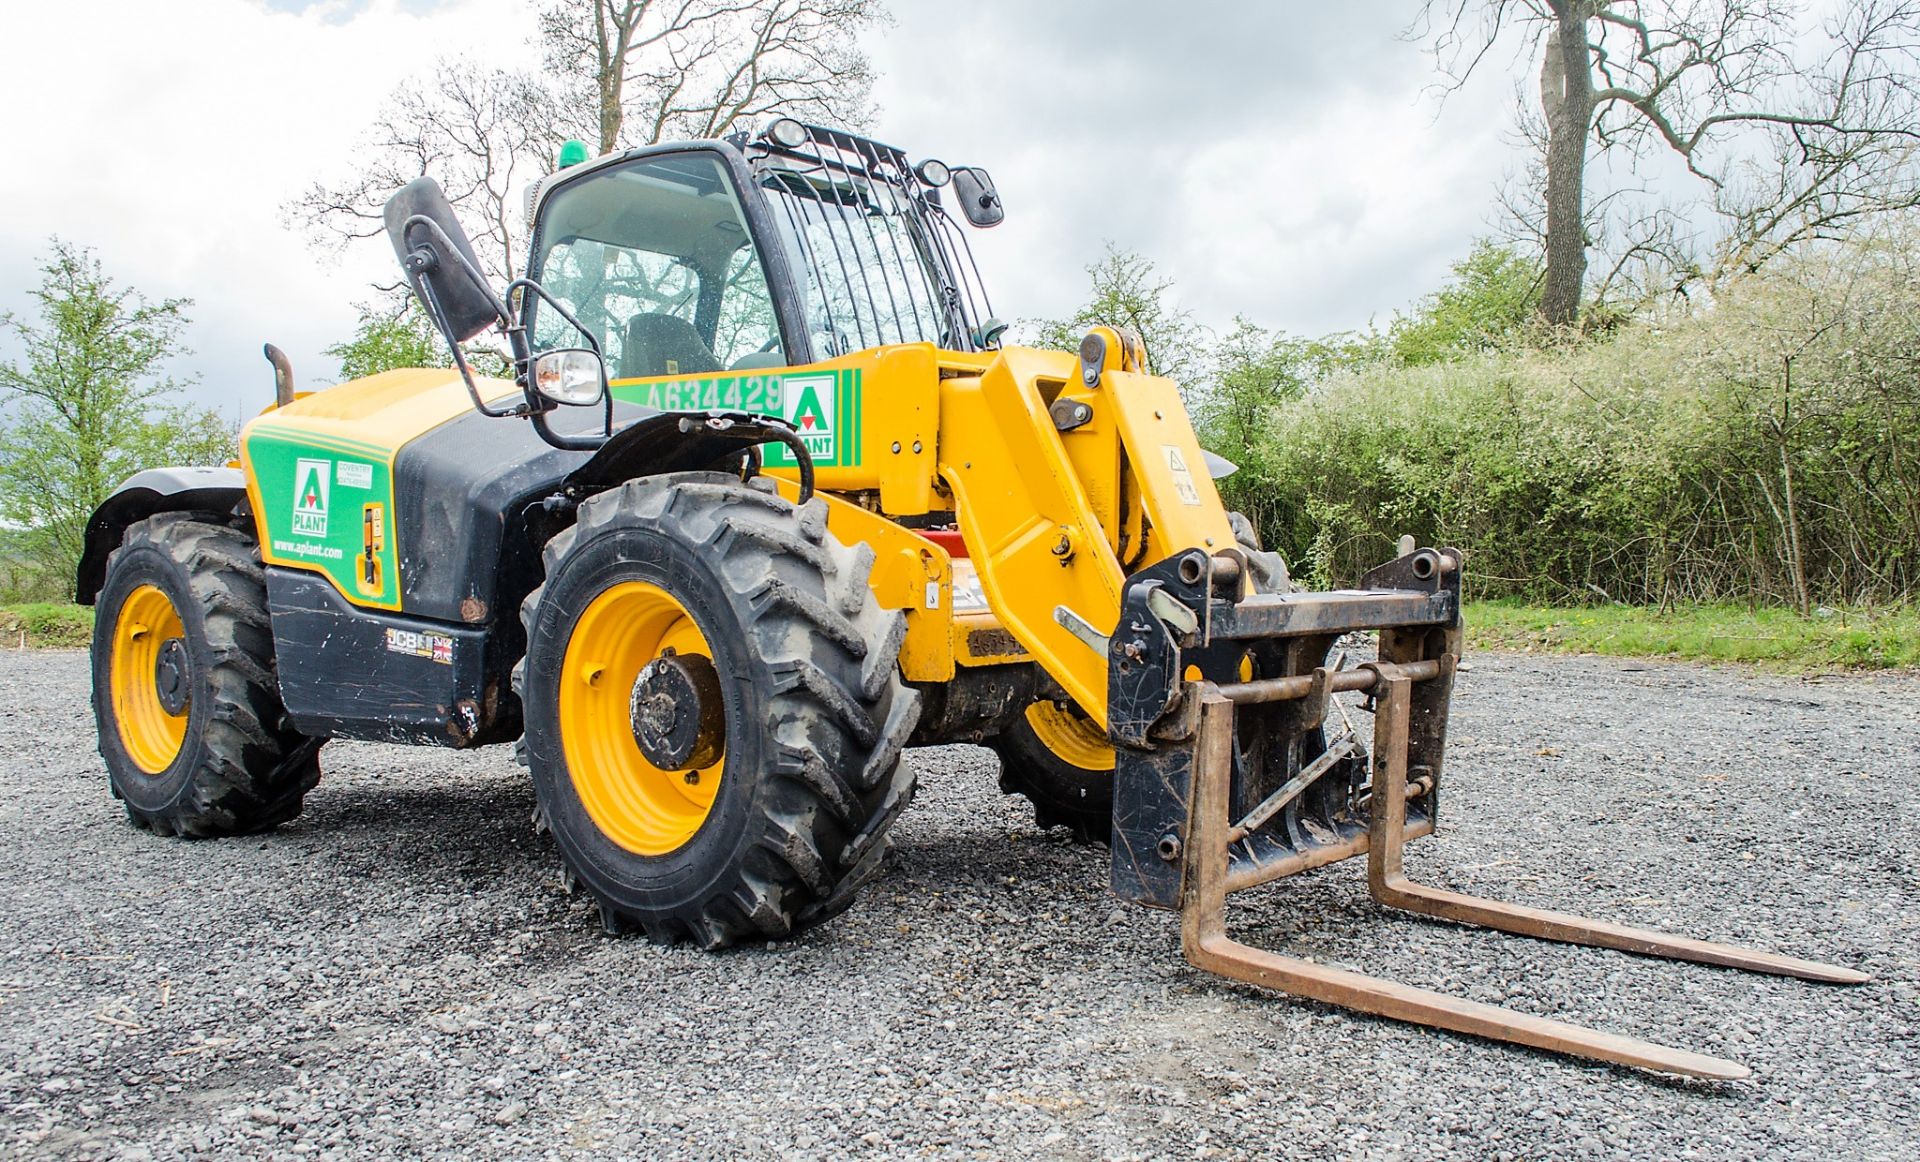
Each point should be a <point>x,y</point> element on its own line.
<point>791,246</point>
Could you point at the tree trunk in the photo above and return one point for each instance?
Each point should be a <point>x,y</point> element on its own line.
<point>1566,98</point>
<point>611,117</point>
<point>613,33</point>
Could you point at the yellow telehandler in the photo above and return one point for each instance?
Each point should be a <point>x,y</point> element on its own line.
<point>766,501</point>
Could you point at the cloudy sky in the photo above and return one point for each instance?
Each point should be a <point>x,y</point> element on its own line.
<point>1283,161</point>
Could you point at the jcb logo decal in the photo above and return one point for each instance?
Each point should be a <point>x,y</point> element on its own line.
<point>808,405</point>
<point>310,481</point>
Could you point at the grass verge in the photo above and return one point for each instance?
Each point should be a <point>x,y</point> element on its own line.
<point>1775,638</point>
<point>46,623</point>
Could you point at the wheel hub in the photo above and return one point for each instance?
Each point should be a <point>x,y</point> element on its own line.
<point>170,675</point>
<point>679,721</point>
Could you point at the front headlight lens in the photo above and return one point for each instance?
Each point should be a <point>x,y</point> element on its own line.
<point>573,376</point>
<point>785,132</point>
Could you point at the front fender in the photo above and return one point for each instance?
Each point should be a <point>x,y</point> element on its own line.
<point>663,442</point>
<point>156,490</point>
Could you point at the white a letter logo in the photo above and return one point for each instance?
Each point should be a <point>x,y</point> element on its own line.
<point>310,481</point>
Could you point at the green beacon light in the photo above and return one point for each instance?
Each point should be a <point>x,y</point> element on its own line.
<point>573,152</point>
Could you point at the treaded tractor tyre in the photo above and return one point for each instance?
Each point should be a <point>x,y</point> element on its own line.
<point>185,691</point>
<point>779,813</point>
<point>1061,760</point>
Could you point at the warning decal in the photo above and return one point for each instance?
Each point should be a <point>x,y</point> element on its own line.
<point>1182,478</point>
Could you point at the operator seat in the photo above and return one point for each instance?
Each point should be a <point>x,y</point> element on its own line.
<point>659,344</point>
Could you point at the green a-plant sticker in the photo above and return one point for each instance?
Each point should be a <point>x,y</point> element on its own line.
<point>822,406</point>
<point>310,497</point>
<point>300,476</point>
<point>810,410</point>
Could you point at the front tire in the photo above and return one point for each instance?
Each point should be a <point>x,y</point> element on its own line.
<point>781,828</point>
<point>185,693</point>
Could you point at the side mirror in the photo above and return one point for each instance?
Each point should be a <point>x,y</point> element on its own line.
<point>439,260</point>
<point>979,201</point>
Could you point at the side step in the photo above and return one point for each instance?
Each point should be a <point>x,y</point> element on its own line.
<point>1207,946</point>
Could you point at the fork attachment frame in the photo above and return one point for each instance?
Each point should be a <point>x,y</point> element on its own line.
<point>1227,746</point>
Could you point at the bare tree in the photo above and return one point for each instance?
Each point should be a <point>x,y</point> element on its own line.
<point>629,72</point>
<point>484,134</point>
<point>1794,136</point>
<point>655,69</point>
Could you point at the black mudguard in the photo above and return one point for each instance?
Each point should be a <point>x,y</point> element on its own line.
<point>217,491</point>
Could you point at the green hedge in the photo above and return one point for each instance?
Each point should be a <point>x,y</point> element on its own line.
<point>1775,638</point>
<point>1763,448</point>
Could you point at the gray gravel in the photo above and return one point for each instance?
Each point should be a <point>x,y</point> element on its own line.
<point>399,973</point>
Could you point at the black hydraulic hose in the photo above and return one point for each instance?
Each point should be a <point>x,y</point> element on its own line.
<point>763,430</point>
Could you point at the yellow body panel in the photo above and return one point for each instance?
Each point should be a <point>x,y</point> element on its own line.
<point>1183,508</point>
<point>910,573</point>
<point>885,445</point>
<point>1028,523</point>
<point>387,409</point>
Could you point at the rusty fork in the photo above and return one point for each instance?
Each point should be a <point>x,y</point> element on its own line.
<point>1205,884</point>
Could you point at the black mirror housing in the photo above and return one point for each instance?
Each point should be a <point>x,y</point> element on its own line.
<point>447,276</point>
<point>979,201</point>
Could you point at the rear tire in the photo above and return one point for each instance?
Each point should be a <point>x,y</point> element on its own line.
<point>1056,757</point>
<point>815,713</point>
<point>182,617</point>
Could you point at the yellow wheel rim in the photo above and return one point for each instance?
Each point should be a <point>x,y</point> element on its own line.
<point>637,805</point>
<point>1071,736</point>
<point>151,736</point>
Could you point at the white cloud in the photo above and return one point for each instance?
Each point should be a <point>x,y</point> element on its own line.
<point>1280,161</point>
<point>168,136</point>
<point>1277,160</point>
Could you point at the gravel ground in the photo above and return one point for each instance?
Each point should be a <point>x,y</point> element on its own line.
<point>398,972</point>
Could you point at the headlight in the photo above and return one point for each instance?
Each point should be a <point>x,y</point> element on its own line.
<point>571,376</point>
<point>934,173</point>
<point>785,132</point>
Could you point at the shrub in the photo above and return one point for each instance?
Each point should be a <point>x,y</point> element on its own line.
<point>1764,447</point>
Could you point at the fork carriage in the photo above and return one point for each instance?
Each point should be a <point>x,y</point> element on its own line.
<point>1225,782</point>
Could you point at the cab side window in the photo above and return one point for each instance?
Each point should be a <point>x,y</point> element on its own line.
<point>654,258</point>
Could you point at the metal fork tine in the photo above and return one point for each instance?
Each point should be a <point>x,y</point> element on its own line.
<point>1207,946</point>
<point>1391,887</point>
<point>1385,998</point>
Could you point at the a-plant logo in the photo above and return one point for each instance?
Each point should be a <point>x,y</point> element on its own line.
<point>808,405</point>
<point>310,480</point>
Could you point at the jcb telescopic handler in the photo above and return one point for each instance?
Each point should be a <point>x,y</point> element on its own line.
<point>766,502</point>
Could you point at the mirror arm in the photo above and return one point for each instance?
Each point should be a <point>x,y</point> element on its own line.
<point>425,290</point>
<point>523,352</point>
<point>421,259</point>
